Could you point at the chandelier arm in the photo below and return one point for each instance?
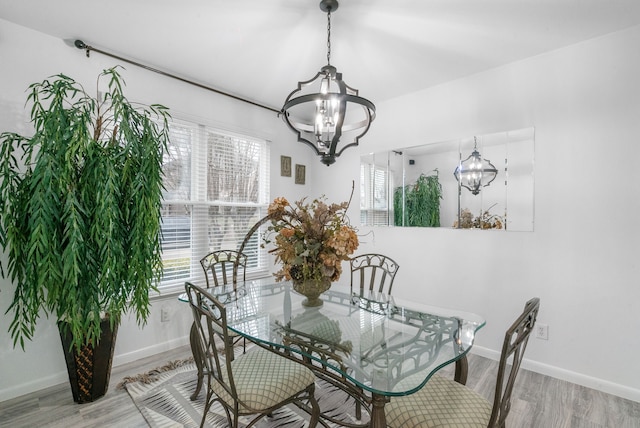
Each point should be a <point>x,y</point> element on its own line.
<point>301,138</point>
<point>306,99</point>
<point>297,125</point>
<point>304,83</point>
<point>355,143</point>
<point>362,101</point>
<point>313,97</point>
<point>356,140</point>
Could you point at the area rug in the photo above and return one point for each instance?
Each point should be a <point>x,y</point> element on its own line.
<point>163,398</point>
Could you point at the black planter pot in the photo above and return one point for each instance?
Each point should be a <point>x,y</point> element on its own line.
<point>90,368</point>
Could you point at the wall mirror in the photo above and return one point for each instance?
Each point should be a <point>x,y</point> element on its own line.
<point>476,182</point>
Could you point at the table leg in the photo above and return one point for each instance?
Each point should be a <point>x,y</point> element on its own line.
<point>462,370</point>
<point>197,358</point>
<point>378,418</point>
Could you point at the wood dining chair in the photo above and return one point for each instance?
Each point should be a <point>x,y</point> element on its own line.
<point>445,403</point>
<point>255,383</point>
<point>373,272</point>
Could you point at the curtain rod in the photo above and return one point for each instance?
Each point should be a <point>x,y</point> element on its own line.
<point>82,45</point>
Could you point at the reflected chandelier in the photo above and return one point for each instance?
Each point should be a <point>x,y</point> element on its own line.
<point>324,109</point>
<point>475,172</point>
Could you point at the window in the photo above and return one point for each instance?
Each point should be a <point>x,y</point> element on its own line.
<point>216,188</point>
<point>374,195</point>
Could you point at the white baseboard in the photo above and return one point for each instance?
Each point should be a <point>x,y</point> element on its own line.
<point>158,348</point>
<point>36,385</point>
<point>567,375</point>
<point>545,369</point>
<point>63,377</point>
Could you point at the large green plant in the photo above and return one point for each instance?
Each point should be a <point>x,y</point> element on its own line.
<point>80,207</point>
<point>418,204</point>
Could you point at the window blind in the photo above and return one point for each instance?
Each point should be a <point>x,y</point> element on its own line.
<point>375,206</point>
<point>216,188</point>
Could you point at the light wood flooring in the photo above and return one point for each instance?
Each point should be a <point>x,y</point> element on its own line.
<point>539,401</point>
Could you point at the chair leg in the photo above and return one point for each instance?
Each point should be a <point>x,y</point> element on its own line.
<point>207,405</point>
<point>233,353</point>
<point>198,358</point>
<point>462,370</point>
<point>315,408</point>
<point>359,407</point>
<point>226,411</point>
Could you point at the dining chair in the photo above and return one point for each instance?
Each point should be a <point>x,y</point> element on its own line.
<point>373,272</point>
<point>255,383</point>
<point>224,267</point>
<point>446,403</point>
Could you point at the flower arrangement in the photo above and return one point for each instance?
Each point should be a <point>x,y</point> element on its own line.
<point>311,239</point>
<point>484,221</point>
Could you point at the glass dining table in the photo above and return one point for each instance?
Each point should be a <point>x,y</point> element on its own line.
<point>371,345</point>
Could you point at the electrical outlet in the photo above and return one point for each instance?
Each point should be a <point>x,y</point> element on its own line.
<point>164,315</point>
<point>542,331</point>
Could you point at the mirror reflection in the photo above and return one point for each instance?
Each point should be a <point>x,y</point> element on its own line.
<point>476,182</point>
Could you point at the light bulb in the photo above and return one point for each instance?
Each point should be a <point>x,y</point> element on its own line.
<point>318,125</point>
<point>324,86</point>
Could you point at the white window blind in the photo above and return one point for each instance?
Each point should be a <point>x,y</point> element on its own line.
<point>375,206</point>
<point>216,189</point>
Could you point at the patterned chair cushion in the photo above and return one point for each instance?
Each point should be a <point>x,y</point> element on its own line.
<point>441,403</point>
<point>230,332</point>
<point>264,379</point>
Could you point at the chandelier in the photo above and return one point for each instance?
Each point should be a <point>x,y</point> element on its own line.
<point>324,110</point>
<point>475,172</point>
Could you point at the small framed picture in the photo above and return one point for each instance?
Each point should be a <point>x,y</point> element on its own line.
<point>285,166</point>
<point>300,173</point>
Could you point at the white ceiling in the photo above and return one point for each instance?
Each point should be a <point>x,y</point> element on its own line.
<point>260,49</point>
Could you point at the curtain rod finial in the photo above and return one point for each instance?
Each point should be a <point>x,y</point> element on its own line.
<point>82,45</point>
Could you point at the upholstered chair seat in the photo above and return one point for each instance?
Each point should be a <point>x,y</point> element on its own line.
<point>441,403</point>
<point>264,379</point>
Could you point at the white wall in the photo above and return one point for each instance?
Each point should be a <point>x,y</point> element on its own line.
<point>582,258</point>
<point>26,57</point>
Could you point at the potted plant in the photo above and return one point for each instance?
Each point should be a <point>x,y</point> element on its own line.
<point>80,218</point>
<point>418,204</point>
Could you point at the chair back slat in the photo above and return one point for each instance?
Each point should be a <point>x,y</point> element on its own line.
<point>373,272</point>
<point>515,343</point>
<point>224,267</point>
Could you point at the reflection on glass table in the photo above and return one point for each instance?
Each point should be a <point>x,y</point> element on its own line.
<point>372,346</point>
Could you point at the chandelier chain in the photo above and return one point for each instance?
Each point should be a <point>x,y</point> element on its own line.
<point>329,37</point>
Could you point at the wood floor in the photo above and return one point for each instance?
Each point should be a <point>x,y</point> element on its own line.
<point>539,401</point>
